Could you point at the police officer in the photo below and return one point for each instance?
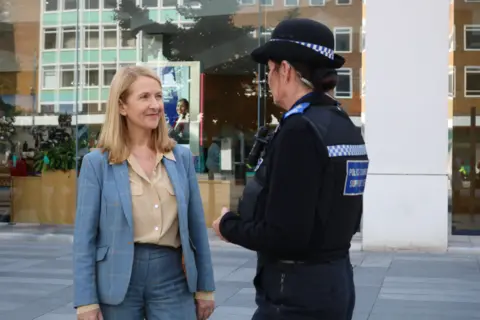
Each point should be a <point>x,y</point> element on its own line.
<point>304,204</point>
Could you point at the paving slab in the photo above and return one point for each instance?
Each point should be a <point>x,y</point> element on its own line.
<point>36,281</point>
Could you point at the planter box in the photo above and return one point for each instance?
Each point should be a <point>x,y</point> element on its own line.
<point>47,199</point>
<point>215,195</point>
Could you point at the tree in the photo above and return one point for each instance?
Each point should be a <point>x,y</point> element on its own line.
<point>213,38</point>
<point>7,120</point>
<point>292,14</point>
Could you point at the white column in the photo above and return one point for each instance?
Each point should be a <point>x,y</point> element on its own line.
<point>406,125</point>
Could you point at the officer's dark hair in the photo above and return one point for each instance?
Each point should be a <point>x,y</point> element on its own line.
<point>322,79</point>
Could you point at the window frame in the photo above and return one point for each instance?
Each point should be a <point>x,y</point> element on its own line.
<point>343,31</point>
<point>90,67</point>
<point>452,72</point>
<point>465,30</point>
<point>122,46</point>
<point>64,68</point>
<point>100,5</point>
<point>474,70</point>
<point>349,72</point>
<point>55,74</point>
<point>247,2</point>
<point>108,8</point>
<point>72,29</point>
<point>53,30</point>
<point>105,67</point>
<point>74,9</point>
<point>155,7</point>
<point>316,5</point>
<point>291,5</point>
<point>58,6</point>
<point>109,28</point>
<point>88,29</point>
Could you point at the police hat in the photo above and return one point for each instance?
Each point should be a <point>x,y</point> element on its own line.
<point>300,40</point>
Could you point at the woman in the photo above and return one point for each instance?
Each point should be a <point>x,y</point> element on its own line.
<point>139,213</point>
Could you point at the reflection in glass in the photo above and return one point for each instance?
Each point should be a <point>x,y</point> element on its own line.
<point>56,81</point>
<point>464,92</point>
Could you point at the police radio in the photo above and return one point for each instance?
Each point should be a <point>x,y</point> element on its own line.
<point>259,145</point>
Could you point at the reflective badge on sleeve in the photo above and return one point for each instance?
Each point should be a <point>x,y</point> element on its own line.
<point>259,163</point>
<point>356,176</point>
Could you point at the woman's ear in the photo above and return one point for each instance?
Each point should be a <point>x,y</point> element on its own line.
<point>122,108</point>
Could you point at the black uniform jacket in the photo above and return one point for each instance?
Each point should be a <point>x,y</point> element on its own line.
<point>291,220</point>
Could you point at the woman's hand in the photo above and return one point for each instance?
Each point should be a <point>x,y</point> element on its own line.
<point>204,308</point>
<point>90,315</point>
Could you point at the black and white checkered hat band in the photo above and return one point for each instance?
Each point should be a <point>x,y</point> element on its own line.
<point>327,52</point>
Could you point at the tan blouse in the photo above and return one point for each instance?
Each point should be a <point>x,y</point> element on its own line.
<point>155,212</point>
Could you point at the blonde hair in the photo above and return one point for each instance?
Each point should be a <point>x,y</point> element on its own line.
<point>114,133</point>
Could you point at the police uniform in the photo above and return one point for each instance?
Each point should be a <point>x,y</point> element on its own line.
<point>304,204</point>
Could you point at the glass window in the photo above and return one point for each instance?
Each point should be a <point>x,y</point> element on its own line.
<point>291,2</point>
<point>66,108</point>
<point>343,39</point>
<point>451,81</point>
<point>317,2</point>
<point>69,37</point>
<point>110,36</point>
<point>92,76</point>
<point>150,3</point>
<point>127,40</point>
<point>247,2</point>
<point>108,73</point>
<point>92,37</point>
<point>50,78</point>
<point>70,4</point>
<point>90,108</point>
<point>344,86</point>
<point>472,81</point>
<point>464,101</point>
<point>51,5</point>
<point>169,3</point>
<point>67,76</point>
<point>92,4</point>
<point>472,37</point>
<point>109,4</point>
<point>50,38</point>
<point>266,2</point>
<point>46,109</point>
<point>344,2</point>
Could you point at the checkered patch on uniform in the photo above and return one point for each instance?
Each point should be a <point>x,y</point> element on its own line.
<point>347,150</point>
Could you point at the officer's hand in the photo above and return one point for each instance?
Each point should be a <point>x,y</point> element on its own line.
<point>216,224</point>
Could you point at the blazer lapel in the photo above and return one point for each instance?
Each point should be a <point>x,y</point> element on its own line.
<point>122,181</point>
<point>171,168</point>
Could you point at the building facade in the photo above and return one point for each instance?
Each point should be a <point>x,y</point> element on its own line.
<point>412,94</point>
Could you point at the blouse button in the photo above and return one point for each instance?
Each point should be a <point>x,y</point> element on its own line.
<point>156,206</point>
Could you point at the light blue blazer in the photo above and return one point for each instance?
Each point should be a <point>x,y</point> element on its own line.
<point>103,239</point>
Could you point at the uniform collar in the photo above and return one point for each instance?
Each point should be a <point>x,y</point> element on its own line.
<point>314,99</point>
<point>317,99</point>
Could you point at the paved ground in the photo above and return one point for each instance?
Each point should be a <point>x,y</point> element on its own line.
<point>36,282</point>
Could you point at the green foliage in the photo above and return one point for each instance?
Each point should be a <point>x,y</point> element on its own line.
<point>60,157</point>
<point>7,120</point>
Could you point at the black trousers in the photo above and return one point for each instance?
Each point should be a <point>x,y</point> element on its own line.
<point>304,292</point>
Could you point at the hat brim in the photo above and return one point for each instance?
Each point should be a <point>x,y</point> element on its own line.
<point>292,52</point>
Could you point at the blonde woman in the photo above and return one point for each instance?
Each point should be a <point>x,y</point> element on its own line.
<point>139,215</point>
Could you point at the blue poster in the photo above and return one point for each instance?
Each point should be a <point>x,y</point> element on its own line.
<point>168,76</point>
